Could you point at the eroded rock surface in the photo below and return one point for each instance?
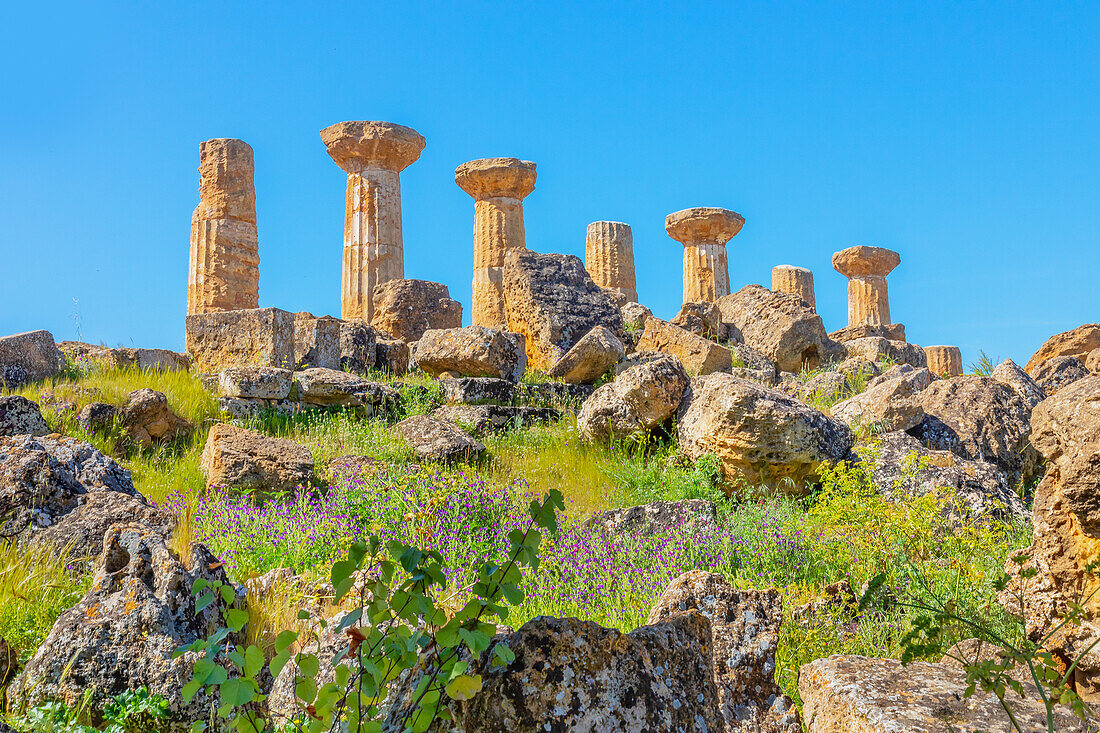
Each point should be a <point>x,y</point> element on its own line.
<point>590,358</point>
<point>781,326</point>
<point>405,309</point>
<point>1078,342</point>
<point>248,461</point>
<point>643,397</point>
<point>28,357</point>
<point>20,416</point>
<point>474,351</point>
<point>698,355</point>
<point>436,439</point>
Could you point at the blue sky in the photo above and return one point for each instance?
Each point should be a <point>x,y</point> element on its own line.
<point>966,137</point>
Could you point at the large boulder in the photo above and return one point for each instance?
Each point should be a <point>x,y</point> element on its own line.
<point>980,419</point>
<point>20,416</point>
<point>876,348</point>
<point>634,315</point>
<point>745,632</point>
<point>405,309</point>
<point>852,694</point>
<point>1057,372</point>
<point>552,301</point>
<point>358,346</point>
<point>885,403</point>
<point>698,355</point>
<point>328,387</point>
<point>66,493</point>
<point>590,358</point>
<point>144,359</point>
<point>248,461</point>
<point>257,383</point>
<point>28,357</point>
<point>122,634</point>
<point>438,440</point>
<point>758,434</point>
<point>1016,379</point>
<point>781,326</point>
<point>474,351</point>
<point>702,319</point>
<point>642,397</point>
<point>147,418</point>
<point>249,337</point>
<point>477,391</point>
<point>662,518</point>
<point>316,341</point>
<point>392,356</point>
<point>1078,342</point>
<point>891,331</point>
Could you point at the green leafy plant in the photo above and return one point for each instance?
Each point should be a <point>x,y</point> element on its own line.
<point>984,365</point>
<point>136,711</point>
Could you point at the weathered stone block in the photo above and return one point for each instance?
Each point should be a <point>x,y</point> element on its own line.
<point>254,337</point>
<point>28,357</point>
<point>316,341</point>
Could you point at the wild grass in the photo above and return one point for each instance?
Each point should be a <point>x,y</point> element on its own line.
<point>984,365</point>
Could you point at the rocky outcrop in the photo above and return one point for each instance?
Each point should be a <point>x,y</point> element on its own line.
<point>253,337</point>
<point>643,397</point>
<point>405,309</point>
<point>885,403</point>
<point>28,357</point>
<point>701,319</point>
<point>745,635</point>
<point>66,493</point>
<point>438,440</point>
<point>781,326</point>
<point>553,303</point>
<point>661,518</point>
<point>328,387</point>
<point>1057,372</point>
<point>248,461</point>
<point>147,419</point>
<point>878,349</point>
<point>122,634</point>
<point>1016,379</point>
<point>474,351</point>
<point>634,315</point>
<point>590,358</point>
<point>316,341</point>
<point>760,435</point>
<point>1078,342</point>
<point>20,416</point>
<point>697,354</point>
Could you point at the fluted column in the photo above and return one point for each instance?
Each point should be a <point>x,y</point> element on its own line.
<point>796,280</point>
<point>224,268</point>
<point>498,186</point>
<point>373,154</point>
<point>704,232</point>
<point>866,269</point>
<point>944,361</point>
<point>609,257</point>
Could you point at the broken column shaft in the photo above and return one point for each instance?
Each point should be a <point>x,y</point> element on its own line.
<point>609,257</point>
<point>797,280</point>
<point>704,232</point>
<point>866,269</point>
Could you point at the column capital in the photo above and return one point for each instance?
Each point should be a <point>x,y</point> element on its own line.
<point>356,145</point>
<point>496,178</point>
<point>863,261</point>
<point>703,225</point>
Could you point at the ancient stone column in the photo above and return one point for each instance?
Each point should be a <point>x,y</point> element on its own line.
<point>797,280</point>
<point>373,154</point>
<point>704,232</point>
<point>944,361</point>
<point>866,269</point>
<point>609,257</point>
<point>498,186</point>
<point>224,269</point>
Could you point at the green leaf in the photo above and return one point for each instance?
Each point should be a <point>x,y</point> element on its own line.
<point>464,687</point>
<point>204,602</point>
<point>236,619</point>
<point>253,661</point>
<point>278,662</point>
<point>236,692</point>
<point>228,593</point>
<point>308,665</point>
<point>191,689</point>
<point>284,640</point>
<point>504,654</point>
<point>305,690</point>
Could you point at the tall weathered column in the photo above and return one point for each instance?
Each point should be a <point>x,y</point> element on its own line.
<point>704,232</point>
<point>944,361</point>
<point>609,257</point>
<point>797,280</point>
<point>498,186</point>
<point>373,154</point>
<point>224,269</point>
<point>866,269</point>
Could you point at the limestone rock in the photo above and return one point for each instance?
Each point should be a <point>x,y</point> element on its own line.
<point>888,331</point>
<point>20,416</point>
<point>609,258</point>
<point>866,269</point>
<point>248,461</point>
<point>474,351</point>
<point>28,357</point>
<point>697,354</point>
<point>1092,361</point>
<point>1016,379</point>
<point>590,358</point>
<point>405,309</point>
<point>331,387</point>
<point>147,418</point>
<point>477,390</point>
<point>885,403</point>
<point>1078,342</point>
<point>97,416</point>
<point>759,435</point>
<point>438,440</point>
<point>553,303</point>
<point>122,634</point>
<point>316,341</point>
<point>555,394</point>
<point>749,358</point>
<point>392,356</point>
<point>143,359</point>
<point>944,361</point>
<point>358,346</point>
<point>634,316</point>
<point>877,349</point>
<point>660,518</point>
<point>704,232</point>
<point>745,632</point>
<point>642,398</point>
<point>796,280</point>
<point>255,337</point>
<point>781,326</point>
<point>264,383</point>
<point>831,387</point>
<point>481,420</point>
<point>1055,373</point>
<point>702,319</point>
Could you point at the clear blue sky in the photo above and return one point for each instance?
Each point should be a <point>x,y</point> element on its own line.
<point>965,136</point>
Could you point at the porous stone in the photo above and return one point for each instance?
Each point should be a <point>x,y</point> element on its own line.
<point>553,303</point>
<point>1092,361</point>
<point>147,419</point>
<point>96,417</point>
<point>697,354</point>
<point>634,315</point>
<point>696,517</point>
<point>477,390</point>
<point>609,257</point>
<point>498,186</point>
<point>405,309</point>
<point>702,319</point>
<point>256,382</point>
<point>555,394</point>
<point>866,269</point>
<point>1055,373</point>
<point>641,398</point>
<point>224,271</point>
<point>590,358</point>
<point>28,357</point>
<point>481,420</point>
<point>795,280</point>
<point>944,361</point>
<point>781,327</point>
<point>234,338</point>
<point>358,346</point>
<point>704,232</point>
<point>758,434</point>
<point>329,387</point>
<point>474,351</point>
<point>1079,342</point>
<point>248,461</point>
<point>890,331</point>
<point>392,356</point>
<point>373,154</point>
<point>20,416</point>
<point>142,359</point>
<point>885,403</point>
<point>878,349</point>
<point>1012,376</point>
<point>316,341</point>
<point>438,440</point>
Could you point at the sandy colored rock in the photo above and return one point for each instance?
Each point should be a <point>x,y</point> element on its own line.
<point>698,355</point>
<point>373,154</point>
<point>609,257</point>
<point>758,434</point>
<point>28,357</point>
<point>474,351</point>
<point>703,319</point>
<point>642,397</point>
<point>498,186</point>
<point>1054,374</point>
<point>553,303</point>
<point>634,315</point>
<point>704,232</point>
<point>878,349</point>
<point>885,403</point>
<point>405,309</point>
<point>265,383</point>
<point>438,440</point>
<point>866,269</point>
<point>890,331</point>
<point>1078,342</point>
<point>795,280</point>
<point>944,361</point>
<point>781,327</point>
<point>1012,376</point>
<point>326,387</point>
<point>20,416</point>
<point>256,337</point>
<point>1092,361</point>
<point>316,341</point>
<point>147,418</point>
<point>248,461</point>
<point>590,358</point>
<point>224,271</point>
